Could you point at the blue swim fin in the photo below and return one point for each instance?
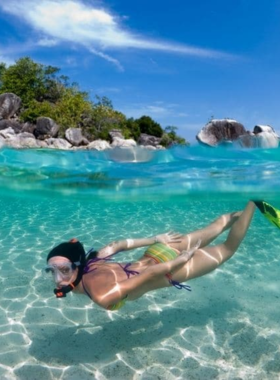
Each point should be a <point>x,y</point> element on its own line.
<point>270,212</point>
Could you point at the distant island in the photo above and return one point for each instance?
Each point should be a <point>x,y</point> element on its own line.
<point>36,99</point>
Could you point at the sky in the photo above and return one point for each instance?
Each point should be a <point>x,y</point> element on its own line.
<point>181,62</point>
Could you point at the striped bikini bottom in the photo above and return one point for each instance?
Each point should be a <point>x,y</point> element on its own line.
<point>161,253</point>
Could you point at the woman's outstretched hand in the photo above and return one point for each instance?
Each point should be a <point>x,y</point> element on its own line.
<point>188,253</point>
<point>169,237</point>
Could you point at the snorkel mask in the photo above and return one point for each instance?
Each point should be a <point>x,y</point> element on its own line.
<point>74,251</point>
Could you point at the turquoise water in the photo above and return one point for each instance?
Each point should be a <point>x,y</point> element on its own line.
<point>226,328</point>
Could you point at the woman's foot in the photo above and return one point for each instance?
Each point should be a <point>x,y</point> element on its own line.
<point>188,254</point>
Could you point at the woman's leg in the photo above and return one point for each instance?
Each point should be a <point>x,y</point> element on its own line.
<point>207,259</point>
<point>203,261</point>
<point>208,233</point>
<point>186,266</point>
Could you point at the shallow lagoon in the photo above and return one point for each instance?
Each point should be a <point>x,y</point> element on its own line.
<point>226,328</point>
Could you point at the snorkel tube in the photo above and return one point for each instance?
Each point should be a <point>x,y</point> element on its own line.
<point>73,251</point>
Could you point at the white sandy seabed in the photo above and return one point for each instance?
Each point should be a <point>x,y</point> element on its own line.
<point>226,328</point>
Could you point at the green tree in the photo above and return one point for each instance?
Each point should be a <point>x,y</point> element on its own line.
<point>26,79</point>
<point>170,137</point>
<point>103,101</point>
<point>2,70</point>
<point>149,126</point>
<point>171,131</point>
<point>35,110</point>
<point>131,129</point>
<point>32,81</point>
<point>103,119</point>
<point>69,109</point>
<point>54,86</point>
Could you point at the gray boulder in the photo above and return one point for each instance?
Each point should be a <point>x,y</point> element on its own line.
<point>116,133</point>
<point>58,143</point>
<point>13,142</point>
<point>6,123</point>
<point>145,139</point>
<point>27,140</point>
<point>123,143</point>
<point>9,105</point>
<point>220,131</point>
<point>28,127</point>
<point>263,128</point>
<point>45,128</point>
<point>7,133</point>
<point>42,144</point>
<point>99,145</point>
<point>2,141</point>
<point>75,137</point>
<point>263,136</point>
<point>149,147</point>
<point>20,140</point>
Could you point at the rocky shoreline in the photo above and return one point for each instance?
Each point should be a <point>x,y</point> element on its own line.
<point>44,134</point>
<point>75,141</point>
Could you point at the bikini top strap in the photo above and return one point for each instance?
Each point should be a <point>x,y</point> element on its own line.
<point>128,271</point>
<point>87,268</point>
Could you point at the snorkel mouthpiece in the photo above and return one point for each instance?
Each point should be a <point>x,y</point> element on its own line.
<point>61,292</point>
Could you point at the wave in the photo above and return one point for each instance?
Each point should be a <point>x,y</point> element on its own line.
<point>138,171</point>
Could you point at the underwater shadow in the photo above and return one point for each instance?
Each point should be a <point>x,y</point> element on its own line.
<point>75,345</point>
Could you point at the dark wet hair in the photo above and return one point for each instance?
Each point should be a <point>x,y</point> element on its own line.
<point>72,250</point>
<point>91,254</point>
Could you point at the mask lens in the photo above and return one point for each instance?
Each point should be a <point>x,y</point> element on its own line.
<point>60,270</point>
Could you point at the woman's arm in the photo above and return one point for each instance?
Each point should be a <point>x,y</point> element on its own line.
<point>124,245</point>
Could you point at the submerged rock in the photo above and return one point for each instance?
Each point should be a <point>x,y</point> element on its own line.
<point>131,154</point>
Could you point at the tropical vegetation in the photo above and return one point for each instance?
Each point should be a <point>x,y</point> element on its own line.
<point>44,92</point>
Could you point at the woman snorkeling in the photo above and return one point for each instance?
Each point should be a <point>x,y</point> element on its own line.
<point>169,259</point>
